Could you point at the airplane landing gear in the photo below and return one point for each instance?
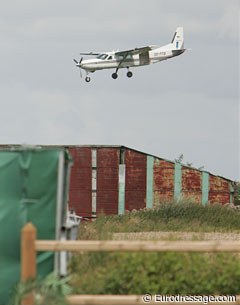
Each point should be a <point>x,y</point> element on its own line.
<point>114,75</point>
<point>129,74</point>
<point>87,79</point>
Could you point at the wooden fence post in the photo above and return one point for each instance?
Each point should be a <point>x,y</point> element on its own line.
<point>28,258</point>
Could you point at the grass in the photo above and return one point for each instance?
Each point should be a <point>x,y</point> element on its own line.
<point>181,216</point>
<point>165,273</point>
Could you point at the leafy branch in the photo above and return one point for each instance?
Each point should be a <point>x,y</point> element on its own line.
<point>51,290</point>
<point>189,164</point>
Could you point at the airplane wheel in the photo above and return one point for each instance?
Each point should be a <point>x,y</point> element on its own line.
<point>129,74</point>
<point>114,75</point>
<point>87,79</point>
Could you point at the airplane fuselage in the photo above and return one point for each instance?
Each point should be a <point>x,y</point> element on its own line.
<point>111,61</point>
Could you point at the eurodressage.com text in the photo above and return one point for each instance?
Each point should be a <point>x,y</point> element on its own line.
<point>205,299</point>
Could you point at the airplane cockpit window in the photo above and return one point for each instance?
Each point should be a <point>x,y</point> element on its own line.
<point>102,56</point>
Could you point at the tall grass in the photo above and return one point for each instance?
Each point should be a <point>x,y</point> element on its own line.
<point>181,216</point>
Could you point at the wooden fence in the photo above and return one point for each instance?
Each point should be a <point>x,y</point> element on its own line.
<point>30,245</point>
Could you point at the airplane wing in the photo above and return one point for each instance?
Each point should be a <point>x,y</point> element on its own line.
<point>90,53</point>
<point>122,53</point>
<point>133,51</point>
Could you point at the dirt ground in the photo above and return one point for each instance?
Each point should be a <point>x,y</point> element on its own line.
<point>176,236</point>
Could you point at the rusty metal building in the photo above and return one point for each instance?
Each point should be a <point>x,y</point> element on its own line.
<point>113,179</point>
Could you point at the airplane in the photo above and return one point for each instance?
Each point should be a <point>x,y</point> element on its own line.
<point>131,58</point>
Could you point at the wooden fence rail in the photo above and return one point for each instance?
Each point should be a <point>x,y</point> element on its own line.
<point>29,247</point>
<point>139,246</point>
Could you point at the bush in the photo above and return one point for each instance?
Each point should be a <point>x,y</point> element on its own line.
<point>165,273</point>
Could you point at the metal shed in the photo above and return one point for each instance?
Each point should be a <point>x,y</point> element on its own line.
<point>113,179</point>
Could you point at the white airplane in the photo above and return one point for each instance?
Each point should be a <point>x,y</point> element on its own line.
<point>131,58</point>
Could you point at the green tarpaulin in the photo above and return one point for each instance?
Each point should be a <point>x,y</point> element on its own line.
<point>32,189</point>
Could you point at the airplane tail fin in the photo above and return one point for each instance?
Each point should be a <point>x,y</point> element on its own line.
<point>178,40</point>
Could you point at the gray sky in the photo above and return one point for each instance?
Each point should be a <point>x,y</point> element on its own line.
<point>187,105</point>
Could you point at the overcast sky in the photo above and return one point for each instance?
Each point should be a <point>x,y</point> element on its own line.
<point>187,105</point>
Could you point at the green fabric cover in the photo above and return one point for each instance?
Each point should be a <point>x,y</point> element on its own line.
<point>28,193</point>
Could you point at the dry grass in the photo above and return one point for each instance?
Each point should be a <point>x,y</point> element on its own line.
<point>176,236</point>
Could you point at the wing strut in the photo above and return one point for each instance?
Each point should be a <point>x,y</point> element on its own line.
<point>124,57</point>
<point>115,75</point>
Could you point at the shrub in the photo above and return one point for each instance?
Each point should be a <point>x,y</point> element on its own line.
<point>165,273</point>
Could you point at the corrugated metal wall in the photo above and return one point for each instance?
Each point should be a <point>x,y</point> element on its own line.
<point>107,180</point>
<point>219,190</point>
<point>111,180</point>
<point>163,180</point>
<point>135,185</point>
<point>191,183</point>
<point>80,192</point>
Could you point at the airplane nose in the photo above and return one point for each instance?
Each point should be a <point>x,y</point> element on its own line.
<point>78,63</point>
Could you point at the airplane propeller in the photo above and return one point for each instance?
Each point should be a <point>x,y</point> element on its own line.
<point>78,63</point>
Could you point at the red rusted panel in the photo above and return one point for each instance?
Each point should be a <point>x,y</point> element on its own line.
<point>80,196</point>
<point>135,179</point>
<point>135,159</point>
<point>135,200</point>
<point>191,180</point>
<point>135,185</point>
<point>107,202</point>
<point>218,183</point>
<point>107,157</point>
<point>107,180</point>
<point>163,180</point>
<point>218,190</point>
<point>191,184</point>
<point>216,197</point>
